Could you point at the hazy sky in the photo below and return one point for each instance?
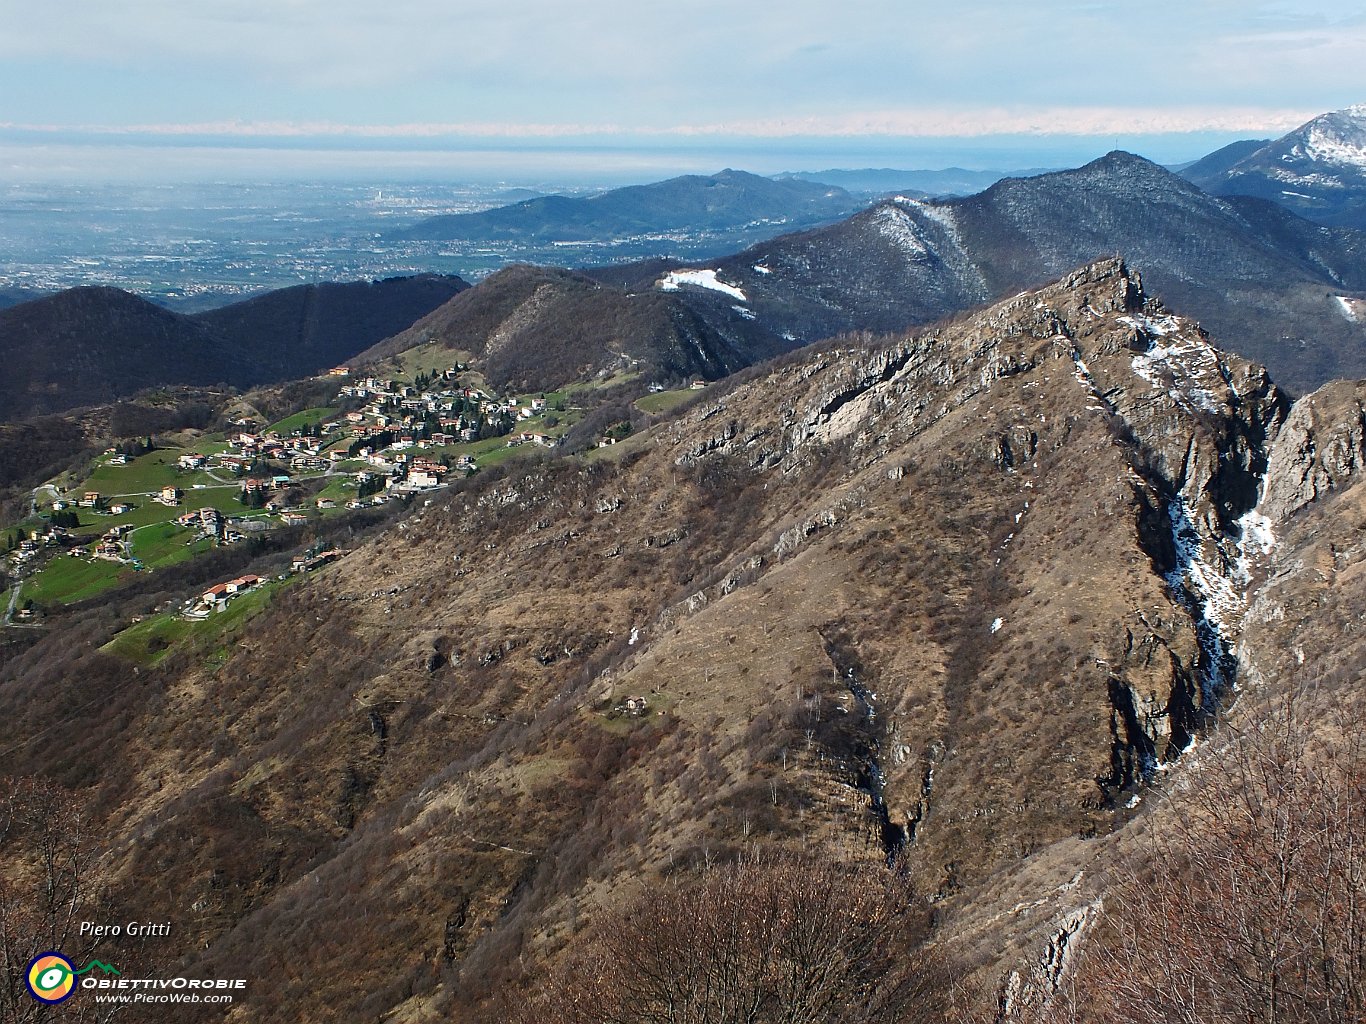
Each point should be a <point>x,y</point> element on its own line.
<point>700,77</point>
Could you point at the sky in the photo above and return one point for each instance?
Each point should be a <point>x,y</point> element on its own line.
<point>421,87</point>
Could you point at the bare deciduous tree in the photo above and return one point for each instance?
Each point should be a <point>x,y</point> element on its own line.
<point>45,891</point>
<point>1251,908</point>
<point>778,942</point>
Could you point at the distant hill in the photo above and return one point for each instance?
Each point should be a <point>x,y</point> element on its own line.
<point>726,201</point>
<point>535,328</point>
<point>296,331</point>
<point>1220,160</point>
<point>885,181</point>
<point>87,346</point>
<point>14,296</point>
<point>1318,170</point>
<point>1262,280</point>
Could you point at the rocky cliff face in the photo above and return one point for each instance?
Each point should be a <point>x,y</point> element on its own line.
<point>1174,435</point>
<point>1304,622</point>
<point>961,596</point>
<point>1320,449</point>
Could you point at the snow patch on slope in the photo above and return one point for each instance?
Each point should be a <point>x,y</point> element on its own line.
<point>1329,147</point>
<point>924,230</point>
<point>1155,325</point>
<point>1216,599</point>
<point>943,216</point>
<point>902,230</point>
<point>1214,603</point>
<point>1258,535</point>
<point>676,279</point>
<point>1186,365</point>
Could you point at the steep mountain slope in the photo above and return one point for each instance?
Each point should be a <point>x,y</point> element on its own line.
<point>87,346</point>
<point>696,203</point>
<point>1305,622</point>
<point>960,595</point>
<point>536,328</point>
<point>1263,281</point>
<point>880,270</point>
<point>1318,170</point>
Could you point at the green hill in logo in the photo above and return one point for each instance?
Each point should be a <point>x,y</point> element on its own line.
<point>106,968</point>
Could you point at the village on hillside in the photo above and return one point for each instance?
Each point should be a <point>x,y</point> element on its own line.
<point>145,505</point>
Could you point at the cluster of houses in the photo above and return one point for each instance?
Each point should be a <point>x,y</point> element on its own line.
<point>211,524</point>
<point>395,418</point>
<point>110,546</point>
<point>44,537</point>
<point>220,595</point>
<point>97,502</point>
<point>442,413</point>
<point>216,598</point>
<point>309,562</point>
<point>424,473</point>
<point>245,449</point>
<point>390,431</point>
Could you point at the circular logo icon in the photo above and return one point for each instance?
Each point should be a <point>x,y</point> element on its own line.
<point>51,978</point>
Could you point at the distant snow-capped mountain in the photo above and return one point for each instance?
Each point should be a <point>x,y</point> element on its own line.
<point>1318,170</point>
<point>1337,139</point>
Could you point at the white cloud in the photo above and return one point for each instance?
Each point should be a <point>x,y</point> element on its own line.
<point>918,122</point>
<point>539,67</point>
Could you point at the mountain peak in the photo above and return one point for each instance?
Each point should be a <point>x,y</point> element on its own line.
<point>1337,138</point>
<point>1120,159</point>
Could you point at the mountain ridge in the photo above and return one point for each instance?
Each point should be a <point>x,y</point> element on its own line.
<point>727,200</point>
<point>1254,274</point>
<point>537,328</point>
<point>1277,287</point>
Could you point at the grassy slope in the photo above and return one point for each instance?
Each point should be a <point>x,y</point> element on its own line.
<point>149,641</point>
<point>304,418</point>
